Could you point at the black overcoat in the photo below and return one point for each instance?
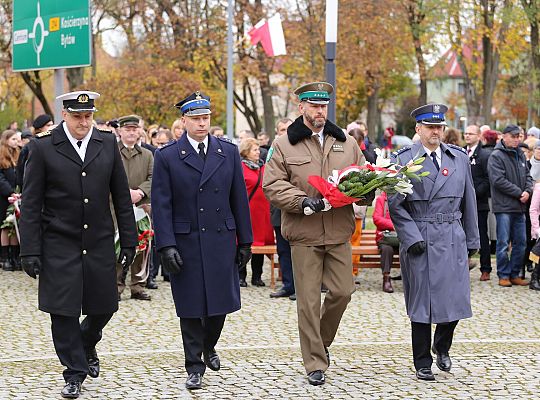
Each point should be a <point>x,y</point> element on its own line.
<point>66,220</point>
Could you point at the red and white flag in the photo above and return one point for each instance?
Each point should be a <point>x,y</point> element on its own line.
<point>270,34</point>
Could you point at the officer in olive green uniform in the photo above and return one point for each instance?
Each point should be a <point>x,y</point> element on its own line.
<point>138,163</point>
<point>320,247</point>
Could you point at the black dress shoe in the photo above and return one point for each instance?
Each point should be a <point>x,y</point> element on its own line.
<point>141,296</point>
<point>327,355</point>
<point>243,283</point>
<point>93,363</point>
<point>72,390</point>
<point>425,374</point>
<point>257,282</point>
<point>292,297</point>
<point>194,381</point>
<point>151,284</point>
<point>280,293</point>
<point>316,378</point>
<point>444,363</point>
<point>211,359</point>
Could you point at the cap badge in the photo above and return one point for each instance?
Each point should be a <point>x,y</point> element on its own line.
<point>83,98</point>
<point>198,95</point>
<point>436,108</point>
<point>320,86</point>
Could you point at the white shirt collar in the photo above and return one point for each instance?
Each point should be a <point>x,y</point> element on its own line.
<point>195,144</point>
<point>438,152</point>
<point>472,149</point>
<point>81,151</point>
<point>320,135</point>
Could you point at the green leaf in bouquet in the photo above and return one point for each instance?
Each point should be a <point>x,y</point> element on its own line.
<point>419,160</point>
<point>422,174</point>
<point>341,187</point>
<point>413,176</point>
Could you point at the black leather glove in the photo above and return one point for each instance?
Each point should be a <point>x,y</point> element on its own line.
<point>316,205</point>
<point>417,248</point>
<point>243,255</point>
<point>127,254</point>
<point>367,200</point>
<point>31,265</point>
<point>471,252</point>
<point>171,260</point>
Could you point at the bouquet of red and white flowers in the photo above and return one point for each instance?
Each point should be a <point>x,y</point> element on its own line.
<point>351,184</point>
<point>13,214</point>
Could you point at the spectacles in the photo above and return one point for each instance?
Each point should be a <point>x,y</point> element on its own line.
<point>471,133</point>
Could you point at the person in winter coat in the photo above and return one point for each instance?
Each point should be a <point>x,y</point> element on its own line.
<point>9,154</point>
<point>511,187</point>
<point>259,208</point>
<point>383,222</point>
<point>67,232</point>
<point>437,229</point>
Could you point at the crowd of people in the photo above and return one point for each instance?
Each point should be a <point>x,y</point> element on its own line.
<point>211,200</point>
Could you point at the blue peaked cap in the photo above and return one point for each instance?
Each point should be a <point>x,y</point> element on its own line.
<point>195,104</point>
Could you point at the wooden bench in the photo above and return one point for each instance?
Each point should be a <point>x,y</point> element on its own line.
<point>367,250</point>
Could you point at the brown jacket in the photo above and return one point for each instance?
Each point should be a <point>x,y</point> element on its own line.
<point>138,163</point>
<point>291,160</point>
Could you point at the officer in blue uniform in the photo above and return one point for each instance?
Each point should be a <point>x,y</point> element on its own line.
<point>437,229</point>
<point>203,231</point>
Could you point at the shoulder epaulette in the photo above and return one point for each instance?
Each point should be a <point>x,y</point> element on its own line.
<point>226,140</point>
<point>105,130</point>
<point>404,148</point>
<point>453,146</point>
<point>167,145</point>
<point>43,134</point>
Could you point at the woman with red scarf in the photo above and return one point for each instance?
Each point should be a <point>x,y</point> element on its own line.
<point>259,208</point>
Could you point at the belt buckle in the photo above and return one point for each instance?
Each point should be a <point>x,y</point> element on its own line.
<point>439,218</point>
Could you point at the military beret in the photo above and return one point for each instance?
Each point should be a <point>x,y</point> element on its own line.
<point>79,101</point>
<point>315,92</point>
<point>128,120</point>
<point>41,121</point>
<point>195,104</point>
<point>430,114</point>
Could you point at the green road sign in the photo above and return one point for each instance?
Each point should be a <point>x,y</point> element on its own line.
<point>51,34</point>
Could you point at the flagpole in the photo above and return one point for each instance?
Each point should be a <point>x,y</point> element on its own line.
<point>331,44</point>
<point>230,83</point>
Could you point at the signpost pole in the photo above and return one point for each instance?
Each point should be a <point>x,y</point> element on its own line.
<point>58,90</point>
<point>331,40</point>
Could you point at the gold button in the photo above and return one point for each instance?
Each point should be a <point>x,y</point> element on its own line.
<point>83,174</point>
<point>84,251</point>
<point>86,200</point>
<point>85,226</point>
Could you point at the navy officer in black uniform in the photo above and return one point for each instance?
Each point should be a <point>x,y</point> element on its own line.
<point>203,231</point>
<point>67,232</point>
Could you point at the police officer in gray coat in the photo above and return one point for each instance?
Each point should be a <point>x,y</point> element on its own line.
<point>437,228</point>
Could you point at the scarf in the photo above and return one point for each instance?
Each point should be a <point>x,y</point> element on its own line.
<point>251,164</point>
<point>535,169</point>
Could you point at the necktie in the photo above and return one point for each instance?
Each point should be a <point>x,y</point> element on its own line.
<point>201,150</point>
<point>469,151</point>
<point>434,158</point>
<point>79,143</point>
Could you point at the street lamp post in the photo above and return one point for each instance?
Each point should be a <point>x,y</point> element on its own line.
<point>331,44</point>
<point>230,82</point>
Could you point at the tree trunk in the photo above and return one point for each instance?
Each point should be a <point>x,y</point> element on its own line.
<point>532,9</point>
<point>373,88</point>
<point>33,80</point>
<point>415,16</point>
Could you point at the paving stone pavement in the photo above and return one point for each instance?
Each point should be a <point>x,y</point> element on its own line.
<point>496,354</point>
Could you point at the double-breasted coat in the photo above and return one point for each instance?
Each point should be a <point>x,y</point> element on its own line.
<point>441,211</point>
<point>66,220</point>
<point>201,207</point>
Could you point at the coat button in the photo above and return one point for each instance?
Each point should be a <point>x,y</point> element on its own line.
<point>84,251</point>
<point>219,229</point>
<point>217,209</point>
<point>201,209</point>
<point>85,226</point>
<point>216,190</point>
<point>203,229</point>
<point>86,200</point>
<point>200,189</point>
<point>83,174</point>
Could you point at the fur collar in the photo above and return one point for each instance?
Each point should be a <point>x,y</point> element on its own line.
<point>298,131</point>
